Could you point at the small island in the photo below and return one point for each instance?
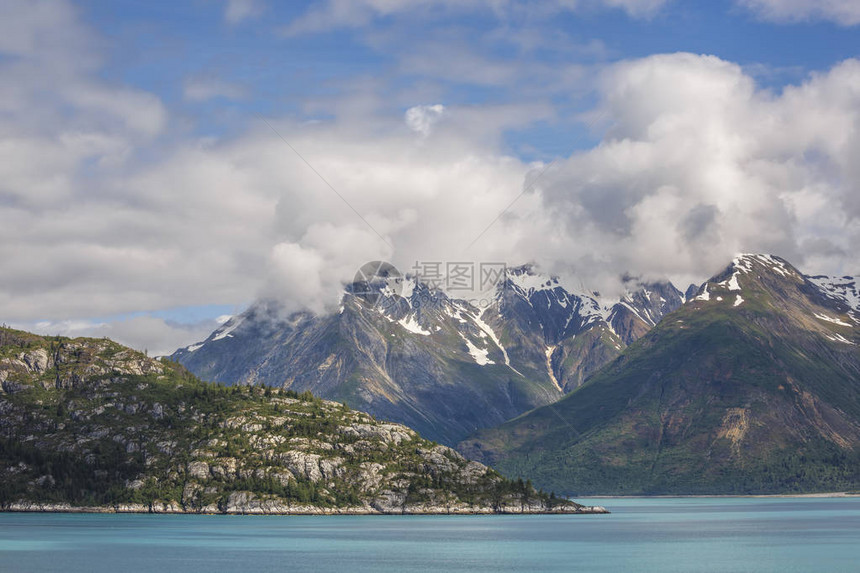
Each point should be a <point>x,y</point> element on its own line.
<point>87,425</point>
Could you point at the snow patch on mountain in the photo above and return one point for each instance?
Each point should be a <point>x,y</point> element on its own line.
<point>484,327</point>
<point>775,264</point>
<point>528,281</point>
<point>843,289</point>
<point>549,351</point>
<point>228,327</point>
<point>746,261</point>
<point>839,338</point>
<point>831,319</point>
<point>732,283</point>
<point>410,324</point>
<point>455,314</point>
<point>743,263</point>
<point>407,288</point>
<point>632,309</point>
<point>480,355</point>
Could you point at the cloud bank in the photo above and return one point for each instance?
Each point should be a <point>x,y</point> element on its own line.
<point>698,163</point>
<point>108,208</point>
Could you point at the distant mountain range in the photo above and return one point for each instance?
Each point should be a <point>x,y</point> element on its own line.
<point>419,356</point>
<point>752,386</point>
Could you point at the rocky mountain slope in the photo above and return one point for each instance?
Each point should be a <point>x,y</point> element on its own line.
<point>88,423</point>
<point>444,366</point>
<point>753,386</point>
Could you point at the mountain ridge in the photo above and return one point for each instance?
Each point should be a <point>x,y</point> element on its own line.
<point>730,393</point>
<point>439,364</point>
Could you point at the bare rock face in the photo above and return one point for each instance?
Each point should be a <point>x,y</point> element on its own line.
<point>388,433</point>
<point>64,363</point>
<point>199,470</point>
<point>37,361</point>
<point>389,501</point>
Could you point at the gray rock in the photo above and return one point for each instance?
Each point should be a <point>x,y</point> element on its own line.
<point>157,411</point>
<point>302,465</point>
<point>190,492</point>
<point>37,361</point>
<point>134,484</point>
<point>198,469</point>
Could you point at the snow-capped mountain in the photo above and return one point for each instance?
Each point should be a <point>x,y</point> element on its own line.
<point>749,387</point>
<point>843,290</point>
<point>410,353</point>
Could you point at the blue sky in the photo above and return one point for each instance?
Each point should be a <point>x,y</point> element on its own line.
<point>147,153</point>
<point>160,46</point>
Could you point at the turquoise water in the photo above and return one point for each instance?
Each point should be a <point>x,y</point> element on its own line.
<point>642,535</point>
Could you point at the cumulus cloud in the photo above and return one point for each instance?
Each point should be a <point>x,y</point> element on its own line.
<point>102,214</point>
<point>699,163</point>
<point>842,12</point>
<point>86,229</point>
<point>422,118</point>
<point>422,198</point>
<point>105,211</point>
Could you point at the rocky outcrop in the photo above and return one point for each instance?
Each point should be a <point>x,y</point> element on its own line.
<point>64,363</point>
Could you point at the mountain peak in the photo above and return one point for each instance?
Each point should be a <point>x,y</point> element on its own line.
<point>747,272</point>
<point>749,262</point>
<point>725,394</point>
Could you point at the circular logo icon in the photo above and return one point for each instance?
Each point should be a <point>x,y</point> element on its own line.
<point>376,280</point>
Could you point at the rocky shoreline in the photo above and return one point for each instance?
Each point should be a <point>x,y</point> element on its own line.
<point>265,507</point>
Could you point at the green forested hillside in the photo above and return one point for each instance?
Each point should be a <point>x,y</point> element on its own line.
<point>91,423</point>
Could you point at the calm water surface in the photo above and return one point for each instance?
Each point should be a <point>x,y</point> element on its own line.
<point>643,535</point>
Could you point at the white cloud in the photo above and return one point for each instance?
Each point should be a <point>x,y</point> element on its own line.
<point>203,89</point>
<point>697,164</point>
<point>237,11</point>
<point>156,336</point>
<point>842,12</point>
<point>637,8</point>
<point>422,118</point>
<point>326,15</point>
<point>105,210</point>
